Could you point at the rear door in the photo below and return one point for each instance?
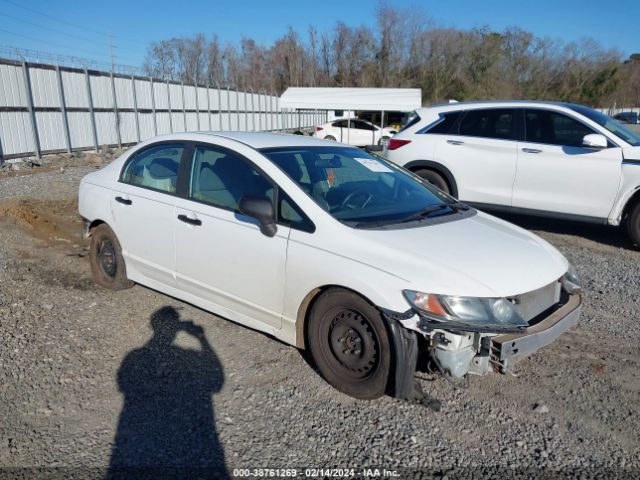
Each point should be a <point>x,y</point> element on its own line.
<point>143,208</point>
<point>557,174</point>
<point>480,150</point>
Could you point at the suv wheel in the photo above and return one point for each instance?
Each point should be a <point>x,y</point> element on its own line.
<point>349,343</point>
<point>105,256</point>
<point>434,178</point>
<point>633,224</point>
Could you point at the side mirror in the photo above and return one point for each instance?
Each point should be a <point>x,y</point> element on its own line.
<point>262,210</point>
<point>594,140</point>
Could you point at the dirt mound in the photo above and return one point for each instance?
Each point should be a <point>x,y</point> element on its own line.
<point>53,221</point>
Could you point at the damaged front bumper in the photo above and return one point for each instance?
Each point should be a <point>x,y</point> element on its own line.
<point>459,350</point>
<point>506,349</point>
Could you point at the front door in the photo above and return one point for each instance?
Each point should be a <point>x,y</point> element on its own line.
<point>222,258</point>
<point>557,174</point>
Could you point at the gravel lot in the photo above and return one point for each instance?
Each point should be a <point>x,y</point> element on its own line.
<point>89,387</point>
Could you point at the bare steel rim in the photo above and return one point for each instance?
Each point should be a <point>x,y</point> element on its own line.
<point>107,257</point>
<point>350,344</point>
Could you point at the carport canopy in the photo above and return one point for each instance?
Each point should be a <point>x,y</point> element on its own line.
<point>336,98</point>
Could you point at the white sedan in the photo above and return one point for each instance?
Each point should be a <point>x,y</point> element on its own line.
<point>354,131</point>
<point>327,248</point>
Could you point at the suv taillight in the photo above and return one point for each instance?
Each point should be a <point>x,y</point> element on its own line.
<point>397,143</point>
<point>318,129</point>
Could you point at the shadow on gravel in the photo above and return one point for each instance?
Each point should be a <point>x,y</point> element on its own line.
<point>167,425</point>
<point>606,235</point>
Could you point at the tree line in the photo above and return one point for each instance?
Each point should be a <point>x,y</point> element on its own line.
<point>407,49</point>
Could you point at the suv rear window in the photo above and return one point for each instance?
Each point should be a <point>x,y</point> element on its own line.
<point>445,124</point>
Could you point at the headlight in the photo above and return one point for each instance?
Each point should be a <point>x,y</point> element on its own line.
<point>571,281</point>
<point>472,311</point>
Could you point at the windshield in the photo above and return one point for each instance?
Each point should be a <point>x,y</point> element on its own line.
<point>609,123</point>
<point>359,189</point>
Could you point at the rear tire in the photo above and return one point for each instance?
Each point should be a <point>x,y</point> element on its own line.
<point>349,343</point>
<point>105,256</point>
<point>330,137</point>
<point>633,224</point>
<point>434,178</point>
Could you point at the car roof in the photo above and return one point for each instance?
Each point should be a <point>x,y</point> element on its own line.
<point>493,103</point>
<point>256,140</point>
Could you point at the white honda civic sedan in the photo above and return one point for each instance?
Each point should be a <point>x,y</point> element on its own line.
<point>327,248</point>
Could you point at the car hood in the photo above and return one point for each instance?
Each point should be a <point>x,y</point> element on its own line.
<point>477,256</point>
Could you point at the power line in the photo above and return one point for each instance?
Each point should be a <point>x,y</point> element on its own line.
<point>78,37</point>
<point>39,40</point>
<point>53,17</point>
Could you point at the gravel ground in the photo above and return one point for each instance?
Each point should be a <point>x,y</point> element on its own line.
<point>93,381</point>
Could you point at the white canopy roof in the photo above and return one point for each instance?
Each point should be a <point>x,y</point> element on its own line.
<point>374,99</point>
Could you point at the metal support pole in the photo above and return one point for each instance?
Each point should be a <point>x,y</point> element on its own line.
<point>135,107</point>
<point>246,113</point>
<point>209,106</point>
<point>253,110</point>
<point>115,110</point>
<point>261,93</point>
<point>237,110</point>
<point>274,125</point>
<point>197,107</point>
<point>184,108</point>
<point>169,107</point>
<point>32,113</point>
<point>153,107</point>
<point>91,112</point>
<point>229,108</point>
<point>219,106</point>
<point>63,110</point>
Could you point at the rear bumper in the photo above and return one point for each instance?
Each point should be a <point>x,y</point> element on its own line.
<point>509,348</point>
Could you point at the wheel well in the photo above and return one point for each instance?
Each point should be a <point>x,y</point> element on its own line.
<point>305,307</point>
<point>438,168</point>
<point>635,199</point>
<point>93,225</point>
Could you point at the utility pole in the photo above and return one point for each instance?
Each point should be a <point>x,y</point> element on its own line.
<point>111,50</point>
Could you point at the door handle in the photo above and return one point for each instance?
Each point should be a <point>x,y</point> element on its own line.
<point>189,220</point>
<point>531,150</point>
<point>455,142</point>
<point>124,201</point>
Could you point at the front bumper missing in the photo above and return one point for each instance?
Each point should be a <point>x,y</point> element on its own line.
<point>507,349</point>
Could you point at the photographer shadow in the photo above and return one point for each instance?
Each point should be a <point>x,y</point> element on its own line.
<point>167,425</point>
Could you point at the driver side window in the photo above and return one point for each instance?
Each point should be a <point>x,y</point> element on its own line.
<point>553,128</point>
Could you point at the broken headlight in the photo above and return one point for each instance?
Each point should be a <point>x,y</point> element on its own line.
<point>471,311</point>
<point>571,281</point>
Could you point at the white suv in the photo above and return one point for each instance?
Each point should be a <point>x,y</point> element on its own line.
<point>552,159</point>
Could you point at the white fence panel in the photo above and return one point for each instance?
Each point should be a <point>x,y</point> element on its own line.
<point>161,95</point>
<point>74,85</point>
<point>51,131</point>
<point>175,94</point>
<point>15,129</point>
<point>143,94</point>
<point>80,129</point>
<point>146,126</point>
<point>44,88</point>
<point>128,130</point>
<point>12,93</point>
<point>124,92</point>
<point>101,92</point>
<point>164,123</point>
<point>106,128</point>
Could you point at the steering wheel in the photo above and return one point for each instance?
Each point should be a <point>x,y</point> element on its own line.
<point>356,193</point>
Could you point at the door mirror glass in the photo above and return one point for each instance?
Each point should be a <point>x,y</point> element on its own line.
<point>594,140</point>
<point>262,210</point>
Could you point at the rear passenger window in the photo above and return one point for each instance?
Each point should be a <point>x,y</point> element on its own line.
<point>221,178</point>
<point>553,128</point>
<point>446,123</point>
<point>494,123</point>
<point>155,168</point>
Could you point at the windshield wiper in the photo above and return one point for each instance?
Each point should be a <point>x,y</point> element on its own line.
<point>419,215</point>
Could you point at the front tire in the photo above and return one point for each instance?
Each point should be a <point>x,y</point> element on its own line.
<point>349,343</point>
<point>434,178</point>
<point>105,256</point>
<point>633,224</point>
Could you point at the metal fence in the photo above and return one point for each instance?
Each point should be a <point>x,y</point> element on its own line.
<point>54,109</point>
